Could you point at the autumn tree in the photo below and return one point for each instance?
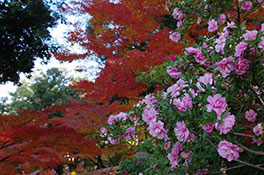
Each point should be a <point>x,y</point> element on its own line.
<point>128,37</point>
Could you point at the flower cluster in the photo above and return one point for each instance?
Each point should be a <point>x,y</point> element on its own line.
<point>216,96</point>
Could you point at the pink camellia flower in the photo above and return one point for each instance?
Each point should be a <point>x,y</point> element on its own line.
<point>187,155</point>
<point>227,125</point>
<point>220,44</point>
<point>113,141</point>
<point>191,137</point>
<point>241,65</point>
<point>225,66</point>
<point>174,90</point>
<point>130,132</point>
<point>103,131</point>
<point>175,37</point>
<point>240,48</point>
<point>167,145</point>
<point>206,79</point>
<point>156,129</point>
<point>198,55</point>
<point>199,20</point>
<point>258,130</point>
<point>140,174</point>
<point>172,58</point>
<point>228,151</point>
<point>155,166</point>
<point>251,115</point>
<point>202,172</point>
<point>212,25</point>
<point>126,173</point>
<point>176,13</point>
<point>184,103</point>
<point>112,119</point>
<point>222,19</point>
<point>150,99</point>
<point>174,155</point>
<point>246,5</point>
<point>173,72</point>
<point>149,115</point>
<point>216,103</point>
<point>208,128</point>
<point>251,35</point>
<point>261,44</point>
<point>179,24</point>
<point>257,141</point>
<point>181,131</point>
<point>53,172</point>
<point>122,116</point>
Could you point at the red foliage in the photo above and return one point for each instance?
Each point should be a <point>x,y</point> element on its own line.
<point>34,140</point>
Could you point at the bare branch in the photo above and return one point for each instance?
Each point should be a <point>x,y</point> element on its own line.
<point>243,135</point>
<point>211,143</point>
<point>251,165</point>
<point>250,150</point>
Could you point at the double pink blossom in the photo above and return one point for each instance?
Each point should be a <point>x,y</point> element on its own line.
<point>122,116</point>
<point>174,90</point>
<point>112,119</point>
<point>216,103</point>
<point>184,103</point>
<point>177,14</point>
<point>167,145</point>
<point>222,19</point>
<point>208,128</point>
<point>198,55</point>
<point>175,37</point>
<point>228,151</point>
<point>212,25</point>
<point>251,35</point>
<point>130,132</point>
<point>173,156</point>
<point>150,100</point>
<point>113,141</point>
<point>103,131</point>
<point>227,125</point>
<point>251,115</point>
<point>257,141</point>
<point>206,79</point>
<point>240,48</point>
<point>261,44</point>
<point>173,72</point>
<point>220,44</point>
<point>149,115</point>
<point>187,156</point>
<point>181,131</point>
<point>241,65</point>
<point>258,130</point>
<point>246,5</point>
<point>225,66</point>
<point>156,129</point>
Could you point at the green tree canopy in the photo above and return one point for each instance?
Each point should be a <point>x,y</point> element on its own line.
<point>50,88</point>
<point>24,33</point>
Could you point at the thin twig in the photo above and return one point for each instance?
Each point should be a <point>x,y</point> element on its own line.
<point>250,150</point>
<point>251,165</point>
<point>211,143</point>
<point>244,135</point>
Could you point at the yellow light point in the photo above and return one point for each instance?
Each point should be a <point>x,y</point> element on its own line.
<point>73,173</point>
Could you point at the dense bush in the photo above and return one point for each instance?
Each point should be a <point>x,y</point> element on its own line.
<point>210,119</point>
